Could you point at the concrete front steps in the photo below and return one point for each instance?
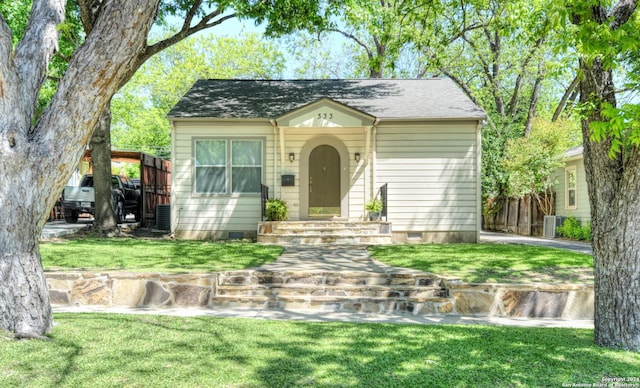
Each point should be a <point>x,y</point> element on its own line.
<point>359,292</point>
<point>324,232</point>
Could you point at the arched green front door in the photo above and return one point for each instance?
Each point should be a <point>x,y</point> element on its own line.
<point>324,182</point>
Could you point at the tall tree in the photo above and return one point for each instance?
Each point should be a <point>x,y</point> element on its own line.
<point>38,157</point>
<point>196,16</point>
<point>607,34</point>
<point>140,107</point>
<point>376,30</point>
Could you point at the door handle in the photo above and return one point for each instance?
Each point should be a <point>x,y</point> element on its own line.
<point>310,184</point>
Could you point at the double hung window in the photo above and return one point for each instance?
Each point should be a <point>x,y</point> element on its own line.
<point>226,166</point>
<point>570,176</point>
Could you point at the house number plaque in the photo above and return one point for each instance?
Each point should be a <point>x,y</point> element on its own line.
<point>325,116</point>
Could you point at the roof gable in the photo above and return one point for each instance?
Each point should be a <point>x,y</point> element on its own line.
<point>396,99</point>
<point>325,113</point>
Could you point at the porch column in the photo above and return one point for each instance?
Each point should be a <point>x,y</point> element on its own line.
<point>281,144</point>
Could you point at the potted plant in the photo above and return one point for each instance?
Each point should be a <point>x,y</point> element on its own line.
<point>276,210</point>
<point>374,207</point>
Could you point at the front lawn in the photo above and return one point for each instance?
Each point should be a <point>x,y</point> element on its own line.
<point>111,350</point>
<point>481,263</point>
<point>149,255</point>
<point>502,263</point>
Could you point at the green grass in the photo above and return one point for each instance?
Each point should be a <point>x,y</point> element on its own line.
<point>129,254</point>
<point>490,262</point>
<point>145,350</point>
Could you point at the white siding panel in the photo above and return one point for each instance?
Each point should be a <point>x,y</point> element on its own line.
<point>197,212</point>
<point>582,210</point>
<point>431,173</point>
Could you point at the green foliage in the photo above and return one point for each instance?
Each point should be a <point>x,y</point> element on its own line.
<point>573,229</point>
<point>115,350</point>
<point>494,139</point>
<point>482,263</point>
<point>277,210</point>
<point>375,205</point>
<point>615,47</point>
<point>531,162</point>
<point>130,170</point>
<point>139,109</point>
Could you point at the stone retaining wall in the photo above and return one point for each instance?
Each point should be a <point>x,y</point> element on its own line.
<point>527,300</point>
<point>197,290</point>
<point>131,289</point>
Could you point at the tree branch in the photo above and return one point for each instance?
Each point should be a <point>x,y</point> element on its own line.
<point>533,103</point>
<point>621,12</point>
<point>6,48</point>
<point>185,32</point>
<point>89,12</point>
<point>565,97</point>
<point>516,90</point>
<point>355,39</point>
<point>34,52</point>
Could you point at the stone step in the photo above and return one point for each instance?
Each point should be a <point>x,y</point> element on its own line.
<point>370,305</point>
<point>374,225</point>
<point>330,291</point>
<point>315,239</point>
<point>324,232</point>
<point>275,278</point>
<point>327,231</point>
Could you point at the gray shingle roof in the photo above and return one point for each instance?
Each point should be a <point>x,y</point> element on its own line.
<point>575,151</point>
<point>433,98</point>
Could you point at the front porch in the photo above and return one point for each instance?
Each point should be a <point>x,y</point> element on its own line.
<point>324,232</point>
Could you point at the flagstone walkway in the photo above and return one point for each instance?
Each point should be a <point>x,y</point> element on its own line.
<point>330,257</point>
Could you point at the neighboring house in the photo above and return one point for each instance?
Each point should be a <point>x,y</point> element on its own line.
<point>326,147</point>
<point>572,198</point>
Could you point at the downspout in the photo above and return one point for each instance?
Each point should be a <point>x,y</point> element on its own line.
<point>479,180</point>
<point>374,157</point>
<point>174,213</point>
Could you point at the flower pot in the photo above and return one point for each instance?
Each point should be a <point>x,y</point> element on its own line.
<point>374,216</point>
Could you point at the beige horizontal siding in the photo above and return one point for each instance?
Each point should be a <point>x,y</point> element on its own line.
<point>582,210</point>
<point>432,176</point>
<point>209,212</point>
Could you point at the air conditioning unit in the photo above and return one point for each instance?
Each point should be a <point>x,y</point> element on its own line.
<point>550,225</point>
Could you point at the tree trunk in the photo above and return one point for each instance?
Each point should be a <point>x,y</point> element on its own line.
<point>105,219</point>
<point>37,160</point>
<point>614,193</point>
<point>24,298</point>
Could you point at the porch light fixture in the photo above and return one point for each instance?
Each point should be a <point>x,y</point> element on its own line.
<point>357,156</point>
<point>292,157</point>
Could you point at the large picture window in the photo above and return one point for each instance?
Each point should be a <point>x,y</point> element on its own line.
<point>571,176</point>
<point>225,166</point>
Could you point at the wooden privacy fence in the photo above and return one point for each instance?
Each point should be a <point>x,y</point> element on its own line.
<point>155,179</point>
<point>522,216</point>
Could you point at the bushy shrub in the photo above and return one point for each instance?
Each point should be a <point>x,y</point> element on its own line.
<point>571,228</point>
<point>277,210</point>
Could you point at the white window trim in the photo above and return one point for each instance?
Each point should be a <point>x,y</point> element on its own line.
<point>567,171</point>
<point>229,186</point>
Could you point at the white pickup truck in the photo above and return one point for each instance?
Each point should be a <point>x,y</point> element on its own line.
<point>81,199</point>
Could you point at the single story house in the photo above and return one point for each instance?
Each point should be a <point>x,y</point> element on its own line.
<point>326,147</point>
<point>572,197</point>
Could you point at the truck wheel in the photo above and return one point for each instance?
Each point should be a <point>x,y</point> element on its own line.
<point>119,210</point>
<point>71,216</point>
